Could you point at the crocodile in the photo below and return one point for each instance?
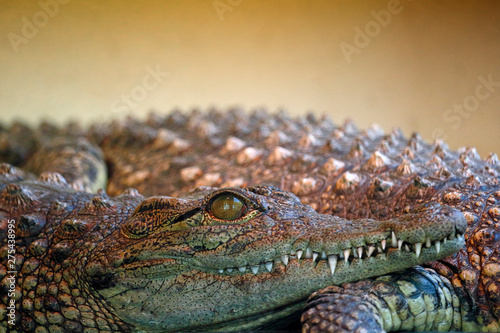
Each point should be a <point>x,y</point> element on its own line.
<point>229,221</point>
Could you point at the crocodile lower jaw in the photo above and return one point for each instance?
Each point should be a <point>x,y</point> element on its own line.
<point>287,313</point>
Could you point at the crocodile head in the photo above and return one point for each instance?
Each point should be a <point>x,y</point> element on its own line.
<point>237,258</point>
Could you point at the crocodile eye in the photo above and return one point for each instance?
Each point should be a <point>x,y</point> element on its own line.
<point>227,206</point>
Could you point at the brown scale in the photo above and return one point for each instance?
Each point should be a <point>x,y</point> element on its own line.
<point>14,198</point>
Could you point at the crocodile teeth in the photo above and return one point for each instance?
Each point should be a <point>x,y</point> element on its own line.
<point>371,249</point>
<point>323,255</point>
<point>299,254</point>
<point>269,266</point>
<point>347,253</point>
<point>308,253</point>
<point>360,252</point>
<point>357,252</point>
<point>394,240</point>
<point>418,249</point>
<point>332,261</point>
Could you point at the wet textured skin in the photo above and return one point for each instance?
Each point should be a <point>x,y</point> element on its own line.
<point>340,171</point>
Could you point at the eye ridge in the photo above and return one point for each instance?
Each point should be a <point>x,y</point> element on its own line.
<point>228,206</point>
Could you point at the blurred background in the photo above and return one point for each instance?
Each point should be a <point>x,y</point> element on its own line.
<point>421,65</point>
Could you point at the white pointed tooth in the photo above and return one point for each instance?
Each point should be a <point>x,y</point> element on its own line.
<point>360,252</point>
<point>379,249</point>
<point>347,253</point>
<point>255,269</point>
<point>221,271</point>
<point>400,243</point>
<point>418,249</point>
<point>284,259</point>
<point>309,254</point>
<point>428,242</point>
<point>332,261</point>
<point>438,246</point>
<point>229,270</point>
<point>407,248</point>
<point>323,255</point>
<point>445,240</point>
<point>299,254</point>
<point>371,249</point>
<point>269,266</point>
<point>315,256</point>
<point>384,244</point>
<point>394,240</point>
<point>242,269</point>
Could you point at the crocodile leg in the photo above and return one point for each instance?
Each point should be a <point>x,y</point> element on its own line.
<point>342,310</point>
<point>417,299</point>
<point>79,162</point>
<point>58,156</point>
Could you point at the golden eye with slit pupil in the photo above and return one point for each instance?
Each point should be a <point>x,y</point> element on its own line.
<point>227,207</point>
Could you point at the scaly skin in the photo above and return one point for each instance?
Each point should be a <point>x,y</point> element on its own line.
<point>87,261</point>
<point>365,177</point>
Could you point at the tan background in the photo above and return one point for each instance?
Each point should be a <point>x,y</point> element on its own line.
<point>83,56</point>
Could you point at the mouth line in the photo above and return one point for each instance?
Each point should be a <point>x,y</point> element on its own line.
<point>333,260</point>
<point>346,257</point>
